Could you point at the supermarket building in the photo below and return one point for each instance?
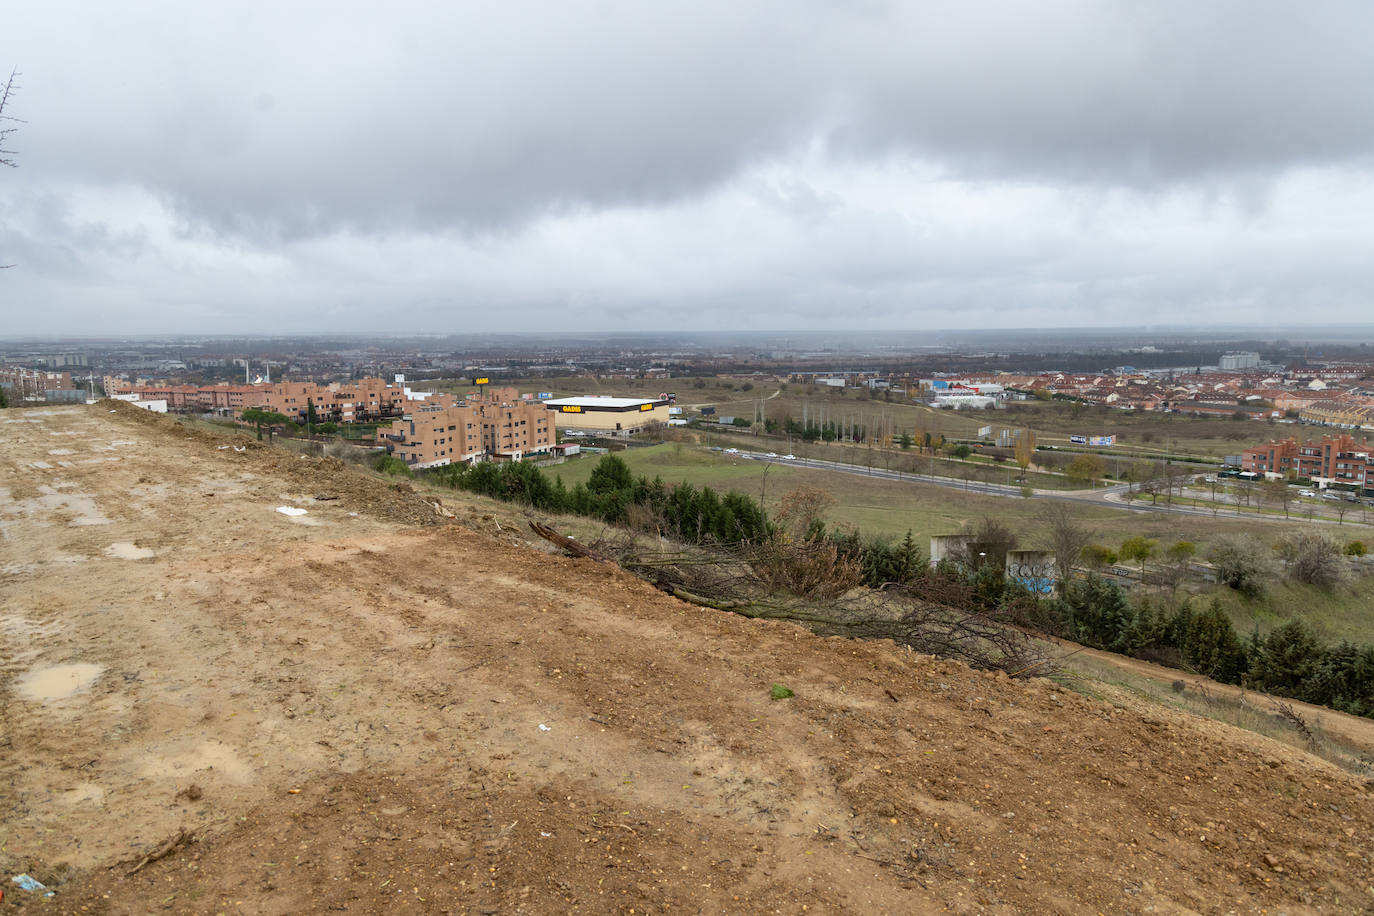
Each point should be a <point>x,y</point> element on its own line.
<point>606,416</point>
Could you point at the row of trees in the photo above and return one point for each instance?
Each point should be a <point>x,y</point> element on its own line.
<point>1290,661</point>
<point>684,512</point>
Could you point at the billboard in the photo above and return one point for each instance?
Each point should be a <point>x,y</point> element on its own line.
<point>570,408</point>
<point>1079,440</point>
<point>646,407</point>
<point>985,432</point>
<point>545,395</point>
<point>1102,440</point>
<point>481,380</point>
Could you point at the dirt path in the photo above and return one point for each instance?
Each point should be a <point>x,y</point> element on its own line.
<point>1355,730</point>
<point>350,712</point>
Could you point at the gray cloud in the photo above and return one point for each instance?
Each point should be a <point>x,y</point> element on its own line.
<point>760,164</point>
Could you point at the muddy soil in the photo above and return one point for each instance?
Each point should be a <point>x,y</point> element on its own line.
<point>370,708</point>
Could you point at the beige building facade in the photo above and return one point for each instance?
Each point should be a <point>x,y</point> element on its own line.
<point>607,416</point>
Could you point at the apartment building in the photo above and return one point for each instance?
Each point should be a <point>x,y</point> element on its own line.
<point>435,436</point>
<point>366,400</point>
<point>226,398</point>
<point>24,384</point>
<point>1340,460</point>
<point>488,427</point>
<point>512,430</point>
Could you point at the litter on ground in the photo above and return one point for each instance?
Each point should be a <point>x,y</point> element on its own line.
<point>33,885</point>
<point>290,510</point>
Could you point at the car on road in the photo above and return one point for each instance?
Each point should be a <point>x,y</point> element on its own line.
<point>1306,493</point>
<point>771,455</point>
<point>789,457</point>
<point>732,451</point>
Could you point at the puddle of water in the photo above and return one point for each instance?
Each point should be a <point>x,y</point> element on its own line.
<point>58,682</point>
<point>123,550</point>
<point>79,504</point>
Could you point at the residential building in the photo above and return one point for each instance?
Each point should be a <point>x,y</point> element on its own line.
<point>485,427</point>
<point>1339,460</point>
<point>433,437</point>
<point>22,384</point>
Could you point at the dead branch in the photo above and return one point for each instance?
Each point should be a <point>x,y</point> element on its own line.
<point>1295,719</point>
<point>567,543</point>
<point>183,836</point>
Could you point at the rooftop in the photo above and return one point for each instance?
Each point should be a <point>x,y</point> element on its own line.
<point>603,402</point>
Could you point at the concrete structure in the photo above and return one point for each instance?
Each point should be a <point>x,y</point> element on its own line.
<point>606,416</point>
<point>1239,359</point>
<point>1035,569</point>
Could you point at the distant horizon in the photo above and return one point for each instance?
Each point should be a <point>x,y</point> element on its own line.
<point>774,344</point>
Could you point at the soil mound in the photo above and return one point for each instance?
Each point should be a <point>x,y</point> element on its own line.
<point>348,712</point>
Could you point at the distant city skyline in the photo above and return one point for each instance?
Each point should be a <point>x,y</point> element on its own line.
<point>627,167</point>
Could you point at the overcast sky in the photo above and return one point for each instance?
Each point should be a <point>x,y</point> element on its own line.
<point>439,166</point>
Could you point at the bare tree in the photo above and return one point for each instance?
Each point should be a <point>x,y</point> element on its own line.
<point>1313,558</point>
<point>10,88</point>
<point>1062,535</point>
<point>1342,507</point>
<point>1276,492</point>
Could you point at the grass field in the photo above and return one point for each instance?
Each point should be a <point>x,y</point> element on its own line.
<point>890,508</point>
<point>1341,613</point>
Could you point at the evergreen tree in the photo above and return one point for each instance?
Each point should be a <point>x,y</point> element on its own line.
<point>611,474</point>
<point>1211,647</point>
<point>1286,660</point>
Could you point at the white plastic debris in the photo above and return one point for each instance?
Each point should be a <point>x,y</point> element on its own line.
<point>291,511</point>
<point>31,884</point>
<point>543,727</point>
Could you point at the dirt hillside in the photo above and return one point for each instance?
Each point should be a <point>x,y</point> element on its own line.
<point>369,708</point>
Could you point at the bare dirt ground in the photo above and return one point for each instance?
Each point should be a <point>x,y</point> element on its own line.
<point>372,709</point>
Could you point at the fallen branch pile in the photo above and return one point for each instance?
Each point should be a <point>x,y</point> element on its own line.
<point>809,583</point>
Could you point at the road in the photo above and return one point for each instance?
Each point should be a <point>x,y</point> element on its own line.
<point>1113,497</point>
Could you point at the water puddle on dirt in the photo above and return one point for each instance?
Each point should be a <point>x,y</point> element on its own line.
<point>58,682</point>
<point>126,551</point>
